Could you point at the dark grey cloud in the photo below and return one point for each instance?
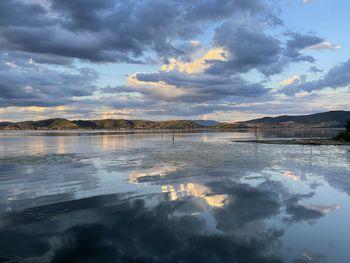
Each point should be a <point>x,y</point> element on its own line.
<point>315,69</point>
<point>25,59</point>
<point>33,85</point>
<point>250,47</point>
<point>82,15</point>
<point>37,37</point>
<point>17,13</point>
<point>184,94</point>
<point>336,77</point>
<point>298,42</point>
<point>63,43</point>
<point>152,105</point>
<point>201,87</point>
<point>115,31</point>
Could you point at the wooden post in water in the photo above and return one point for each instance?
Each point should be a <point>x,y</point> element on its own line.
<point>256,132</point>
<point>302,131</point>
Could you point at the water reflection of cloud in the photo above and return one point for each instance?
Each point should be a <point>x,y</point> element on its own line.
<point>120,231</point>
<point>324,209</point>
<point>138,176</point>
<point>196,190</point>
<point>250,204</point>
<point>24,179</point>
<point>307,212</point>
<point>178,191</point>
<point>338,178</point>
<point>310,257</point>
<point>204,185</point>
<point>291,174</point>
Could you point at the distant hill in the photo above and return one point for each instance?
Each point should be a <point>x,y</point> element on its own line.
<point>208,123</point>
<point>108,124</point>
<point>325,119</point>
<point>4,124</point>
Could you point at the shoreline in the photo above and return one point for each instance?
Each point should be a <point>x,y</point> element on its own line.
<point>320,142</point>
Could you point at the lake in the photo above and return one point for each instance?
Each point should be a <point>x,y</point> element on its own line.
<point>142,196</point>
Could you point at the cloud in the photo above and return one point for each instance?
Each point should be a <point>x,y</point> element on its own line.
<point>250,47</point>
<point>199,88</point>
<point>198,65</point>
<point>298,42</point>
<point>118,234</point>
<point>315,69</point>
<point>114,31</point>
<point>213,81</point>
<point>337,77</point>
<point>169,98</point>
<point>323,45</point>
<point>237,38</point>
<point>35,85</point>
<point>16,13</point>
<point>290,81</point>
<point>25,59</point>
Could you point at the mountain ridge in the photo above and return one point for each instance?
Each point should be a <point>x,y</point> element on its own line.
<point>335,118</point>
<point>106,124</point>
<point>324,119</point>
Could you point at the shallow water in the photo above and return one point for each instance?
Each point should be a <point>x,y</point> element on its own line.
<point>164,197</point>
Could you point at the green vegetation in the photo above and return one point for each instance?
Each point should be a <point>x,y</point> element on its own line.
<point>230,126</point>
<point>108,124</point>
<point>344,136</point>
<point>52,124</point>
<point>178,125</point>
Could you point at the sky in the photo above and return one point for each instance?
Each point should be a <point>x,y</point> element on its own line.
<point>227,60</point>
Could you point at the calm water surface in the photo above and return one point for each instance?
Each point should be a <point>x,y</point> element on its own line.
<point>163,197</point>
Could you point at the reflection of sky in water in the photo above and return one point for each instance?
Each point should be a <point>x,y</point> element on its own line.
<point>139,197</point>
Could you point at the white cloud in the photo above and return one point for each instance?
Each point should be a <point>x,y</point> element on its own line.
<point>289,81</point>
<point>198,65</point>
<point>324,45</point>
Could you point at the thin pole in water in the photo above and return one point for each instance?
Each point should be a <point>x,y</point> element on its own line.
<point>302,131</point>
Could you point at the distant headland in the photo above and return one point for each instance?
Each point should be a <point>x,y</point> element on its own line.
<point>330,119</point>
